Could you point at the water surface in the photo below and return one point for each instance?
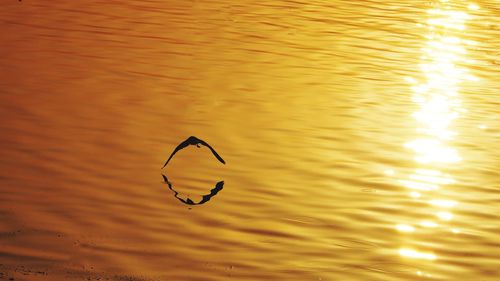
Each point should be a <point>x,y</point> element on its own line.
<point>361,140</point>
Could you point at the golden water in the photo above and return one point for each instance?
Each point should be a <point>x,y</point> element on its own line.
<point>361,140</point>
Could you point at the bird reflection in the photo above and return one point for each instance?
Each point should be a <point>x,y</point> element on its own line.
<point>205,198</point>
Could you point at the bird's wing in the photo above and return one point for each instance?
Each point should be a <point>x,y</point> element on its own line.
<point>182,145</point>
<point>213,152</point>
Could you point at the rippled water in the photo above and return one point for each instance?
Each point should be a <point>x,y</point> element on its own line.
<point>361,140</point>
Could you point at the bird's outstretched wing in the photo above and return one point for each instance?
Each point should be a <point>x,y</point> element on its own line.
<point>213,151</point>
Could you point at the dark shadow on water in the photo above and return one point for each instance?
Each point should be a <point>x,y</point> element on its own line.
<point>218,186</point>
<point>205,198</point>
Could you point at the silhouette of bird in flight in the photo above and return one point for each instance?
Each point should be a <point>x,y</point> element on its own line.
<point>192,140</point>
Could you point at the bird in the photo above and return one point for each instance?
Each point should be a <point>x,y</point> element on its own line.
<point>192,140</point>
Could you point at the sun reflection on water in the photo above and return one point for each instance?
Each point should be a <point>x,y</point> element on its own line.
<point>437,96</point>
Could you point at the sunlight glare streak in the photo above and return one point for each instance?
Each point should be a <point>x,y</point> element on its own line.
<point>446,216</point>
<point>416,255</point>
<point>437,97</point>
<point>442,203</point>
<point>405,228</point>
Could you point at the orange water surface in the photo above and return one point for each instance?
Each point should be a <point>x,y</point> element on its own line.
<point>361,140</point>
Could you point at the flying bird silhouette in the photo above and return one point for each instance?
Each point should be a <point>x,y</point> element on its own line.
<point>194,141</point>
